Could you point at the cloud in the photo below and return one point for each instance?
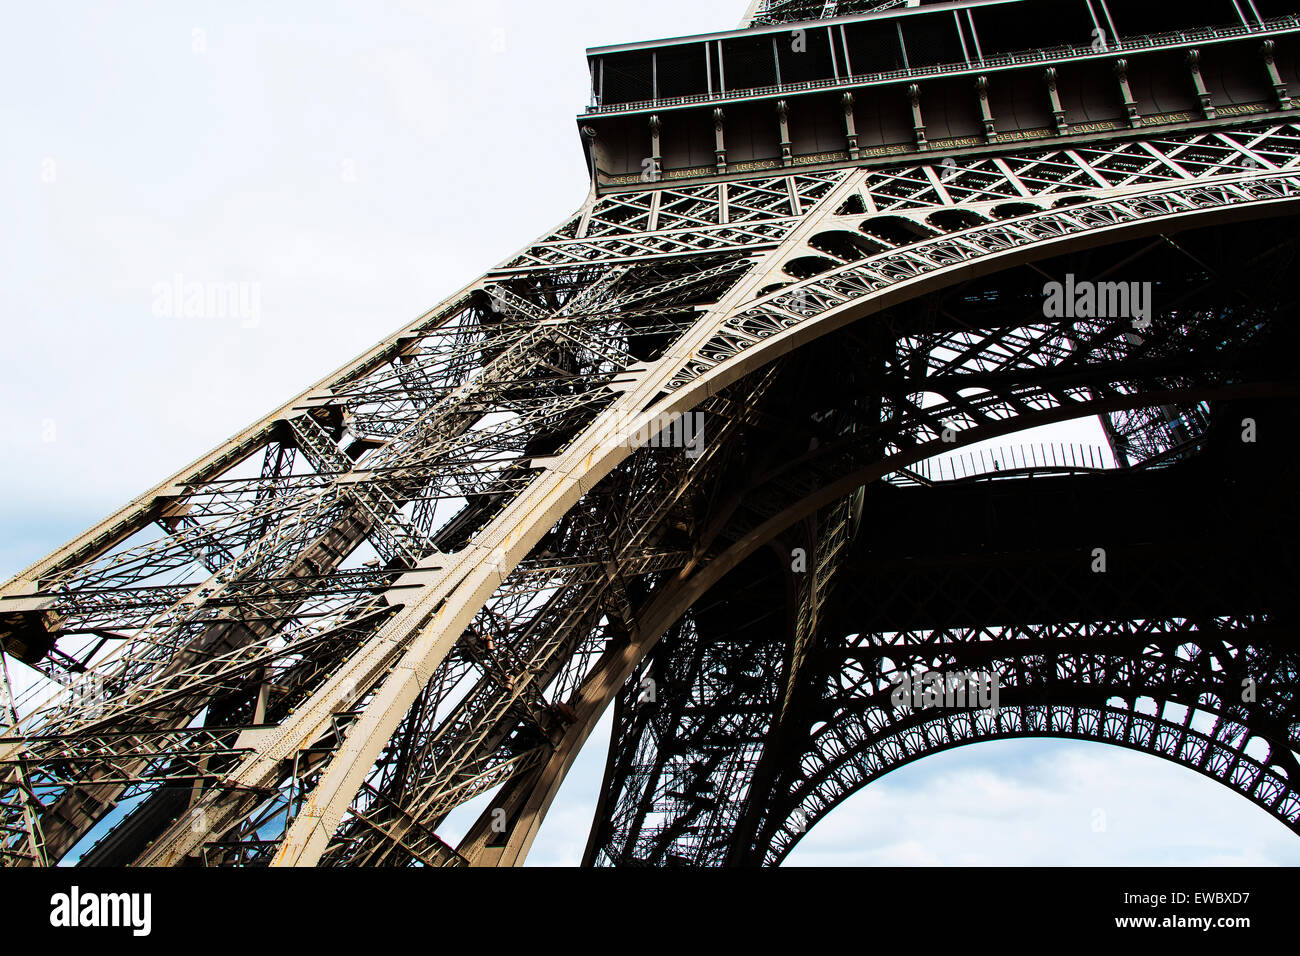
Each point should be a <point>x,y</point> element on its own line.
<point>1045,803</point>
<point>1004,803</point>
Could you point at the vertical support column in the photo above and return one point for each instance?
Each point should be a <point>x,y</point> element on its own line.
<point>652,221</point>
<point>850,126</point>
<point>902,45</point>
<point>589,137</point>
<point>783,117</point>
<point>961,35</point>
<point>1280,90</point>
<point>975,37</point>
<point>1198,82</point>
<point>656,156</point>
<point>1130,104</point>
<point>1105,10</point>
<point>918,121</point>
<point>986,112</point>
<point>1101,42</point>
<point>1058,111</point>
<point>719,141</point>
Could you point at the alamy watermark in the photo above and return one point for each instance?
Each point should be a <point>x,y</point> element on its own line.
<point>1074,299</point>
<point>665,430</point>
<point>87,694</point>
<point>180,299</point>
<point>78,908</point>
<point>951,689</point>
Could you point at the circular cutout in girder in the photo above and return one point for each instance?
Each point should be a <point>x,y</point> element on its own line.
<point>1012,210</point>
<point>956,220</point>
<point>805,267</point>
<point>896,230</point>
<point>847,246</point>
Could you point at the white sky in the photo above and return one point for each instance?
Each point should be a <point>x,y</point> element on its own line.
<point>355,163</point>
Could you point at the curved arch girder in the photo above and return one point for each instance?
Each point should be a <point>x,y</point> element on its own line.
<point>1170,741</point>
<point>1210,697</point>
<point>1139,212</point>
<point>385,676</point>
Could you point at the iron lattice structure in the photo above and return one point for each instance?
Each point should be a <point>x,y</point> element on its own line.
<point>797,11</point>
<point>425,578</point>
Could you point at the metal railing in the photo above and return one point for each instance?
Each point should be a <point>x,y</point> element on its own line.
<point>1158,41</point>
<point>1015,461</point>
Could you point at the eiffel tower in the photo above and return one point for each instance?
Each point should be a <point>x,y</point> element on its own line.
<point>736,450</point>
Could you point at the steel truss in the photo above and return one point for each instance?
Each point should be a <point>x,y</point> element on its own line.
<point>1080,680</point>
<point>423,578</point>
<point>667,797</point>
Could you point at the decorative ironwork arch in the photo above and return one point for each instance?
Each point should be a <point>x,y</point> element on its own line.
<point>1102,699</point>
